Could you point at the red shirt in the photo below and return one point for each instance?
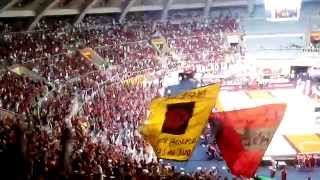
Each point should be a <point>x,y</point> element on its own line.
<point>312,162</point>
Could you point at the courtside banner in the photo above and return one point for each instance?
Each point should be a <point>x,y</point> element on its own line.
<point>175,123</point>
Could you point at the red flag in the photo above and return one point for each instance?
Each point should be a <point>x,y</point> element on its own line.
<point>245,134</point>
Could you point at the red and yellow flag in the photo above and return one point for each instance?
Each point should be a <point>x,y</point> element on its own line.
<point>244,135</point>
<point>175,123</point>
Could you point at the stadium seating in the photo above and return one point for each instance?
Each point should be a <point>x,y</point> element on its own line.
<point>105,114</point>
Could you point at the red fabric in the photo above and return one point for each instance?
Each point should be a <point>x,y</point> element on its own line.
<point>241,161</point>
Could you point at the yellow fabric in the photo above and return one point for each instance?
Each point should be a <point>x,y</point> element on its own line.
<point>305,143</point>
<point>219,105</point>
<point>135,80</point>
<point>84,126</point>
<point>17,70</point>
<point>158,42</point>
<point>179,147</point>
<point>20,70</point>
<point>87,53</point>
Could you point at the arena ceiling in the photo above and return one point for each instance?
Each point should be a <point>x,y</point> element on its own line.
<point>41,8</point>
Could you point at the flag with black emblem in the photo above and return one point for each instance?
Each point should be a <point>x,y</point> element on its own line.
<point>175,123</point>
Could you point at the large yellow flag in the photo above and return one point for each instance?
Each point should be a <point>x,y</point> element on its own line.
<point>175,123</point>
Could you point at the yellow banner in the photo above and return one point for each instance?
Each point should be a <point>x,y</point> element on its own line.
<point>175,123</point>
<point>87,53</point>
<point>159,42</point>
<point>135,80</point>
<point>24,71</point>
<point>20,70</point>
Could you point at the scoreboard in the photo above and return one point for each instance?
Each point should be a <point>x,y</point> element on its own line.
<point>282,10</point>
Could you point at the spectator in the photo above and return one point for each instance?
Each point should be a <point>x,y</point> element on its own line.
<point>81,121</point>
<point>284,173</point>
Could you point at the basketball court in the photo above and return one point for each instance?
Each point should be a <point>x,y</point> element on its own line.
<point>299,121</point>
<point>297,133</point>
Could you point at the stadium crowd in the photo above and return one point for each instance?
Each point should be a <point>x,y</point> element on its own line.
<point>81,122</point>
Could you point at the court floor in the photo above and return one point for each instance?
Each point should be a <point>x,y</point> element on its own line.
<point>299,119</point>
<point>304,143</point>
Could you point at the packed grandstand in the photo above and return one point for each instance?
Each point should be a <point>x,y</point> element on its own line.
<point>72,97</point>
